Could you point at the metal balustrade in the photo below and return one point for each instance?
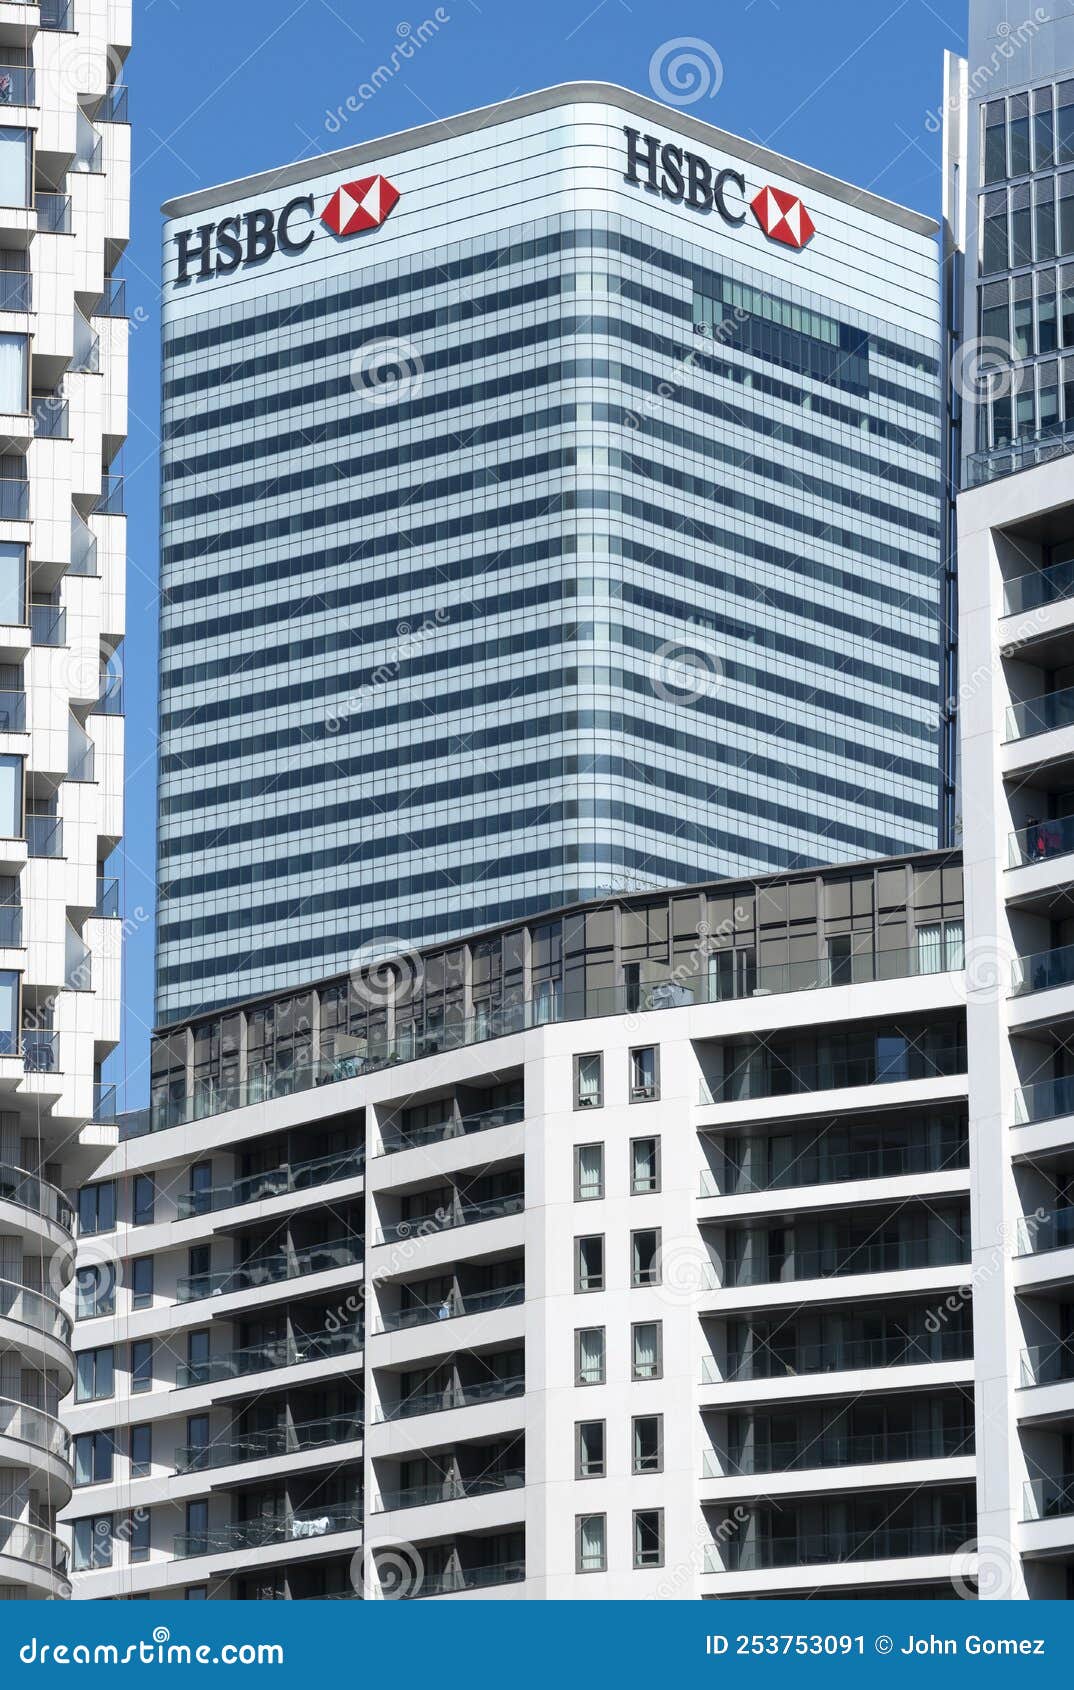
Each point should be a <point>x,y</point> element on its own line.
<point>236,1448</point>
<point>275,1182</point>
<point>272,1269</point>
<point>440,1400</point>
<point>453,1307</point>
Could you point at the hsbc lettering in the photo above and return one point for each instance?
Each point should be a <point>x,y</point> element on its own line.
<point>218,249</point>
<point>684,178</point>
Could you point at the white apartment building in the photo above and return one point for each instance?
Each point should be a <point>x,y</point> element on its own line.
<point>65,167</point>
<point>623,1252</point>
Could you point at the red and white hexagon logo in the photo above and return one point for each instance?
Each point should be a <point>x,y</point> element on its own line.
<point>783,217</point>
<point>360,205</point>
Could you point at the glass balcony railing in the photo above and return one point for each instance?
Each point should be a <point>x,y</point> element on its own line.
<point>1040,715</point>
<point>111,499</point>
<point>14,499</point>
<point>446,1219</point>
<point>28,1425</point>
<point>10,925</point>
<point>33,1544</point>
<point>104,1102</point>
<point>1040,447</point>
<point>109,700</point>
<point>454,1488</point>
<point>1047,1364</point>
<point>272,1269</point>
<point>1041,1232</point>
<point>12,712</point>
<point>398,1138</point>
<point>48,625</point>
<point>53,213</point>
<point>114,106</point>
<point>31,1192</point>
<point>261,1533</point>
<point>107,906</point>
<point>57,14</point>
<point>842,1355</point>
<point>17,85</point>
<point>411,1045</point>
<point>113,301</point>
<point>52,417</point>
<point>274,1353</point>
<point>41,1051</point>
<point>910,1061</point>
<point>1042,971</point>
<point>44,836</point>
<point>16,290</point>
<point>839,1450</point>
<point>835,1261</point>
<point>441,1399</point>
<point>1038,587</point>
<point>455,1579</point>
<point>814,1549</point>
<point>1048,1499</point>
<point>453,1307</point>
<point>32,1308</point>
<point>818,1166</point>
<point>234,1449</point>
<point>276,1182</point>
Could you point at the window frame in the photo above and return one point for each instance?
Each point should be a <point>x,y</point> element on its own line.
<point>654,1273</point>
<point>579,1470</point>
<point>138,1383</point>
<point>583,1383</point>
<point>579,1195</point>
<point>581,1238</point>
<point>579,1520</point>
<point>596,1102</point>
<point>637,1190</point>
<point>104,1438</point>
<point>635,1421</point>
<point>640,1564</point>
<point>140,1468</point>
<point>138,1208</point>
<point>658,1373</point>
<point>649,1093</point>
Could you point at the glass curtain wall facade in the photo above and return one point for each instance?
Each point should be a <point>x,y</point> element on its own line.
<point>587,551</point>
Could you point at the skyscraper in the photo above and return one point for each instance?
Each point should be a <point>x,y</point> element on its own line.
<point>65,146</point>
<point>551,507</point>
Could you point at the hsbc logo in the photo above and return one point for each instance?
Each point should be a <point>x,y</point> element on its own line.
<point>685,178</point>
<point>219,249</point>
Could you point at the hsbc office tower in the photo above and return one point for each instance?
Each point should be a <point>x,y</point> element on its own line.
<point>551,508</point>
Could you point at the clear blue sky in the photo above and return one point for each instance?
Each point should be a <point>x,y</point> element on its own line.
<point>223,87</point>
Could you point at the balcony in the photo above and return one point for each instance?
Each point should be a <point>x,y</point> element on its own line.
<point>262,1358</point>
<point>1043,971</point>
<point>1041,715</point>
<point>836,1450</point>
<point>33,1544</point>
<point>815,1549</point>
<point>834,1262</point>
<point>111,501</point>
<point>106,907</point>
<point>260,1534</point>
<point>451,1396</point>
<point>445,1220</point>
<point>109,700</point>
<point>52,417</point>
<point>10,925</point>
<point>1048,1499</point>
<point>114,106</point>
<point>44,836</point>
<point>12,712</point>
<point>14,499</point>
<point>453,1488</point>
<point>820,1166</point>
<point>28,1191</point>
<point>1047,1364</point>
<point>17,85</point>
<point>277,1182</point>
<point>785,1079</point>
<point>48,625</point>
<point>233,1450</point>
<point>1032,449</point>
<point>16,290</point>
<point>113,301</point>
<point>454,1580</point>
<point>847,1355</point>
<point>57,14</point>
<point>1039,587</point>
<point>273,1269</point>
<point>53,213</point>
<point>30,1308</point>
<point>104,1102</point>
<point>1042,1231</point>
<point>32,1426</point>
<point>41,1051</point>
<point>452,1126</point>
<point>454,1307</point>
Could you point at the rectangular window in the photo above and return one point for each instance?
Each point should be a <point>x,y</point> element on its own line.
<point>1064,125</point>
<point>644,1166</point>
<point>1047,313</point>
<point>994,257</point>
<point>12,583</point>
<point>144,1200</point>
<point>647,1454</point>
<point>589,1263</point>
<point>1021,226</point>
<point>648,1537</point>
<point>92,1545</point>
<point>11,798</point>
<point>995,142</point>
<point>138,1534</point>
<point>589,1081</point>
<point>1043,130</point>
<point>996,312</point>
<point>141,1451</point>
<point>197,1526</point>
<point>141,1281</point>
<point>644,1075</point>
<point>646,1348</point>
<point>588,1172</point>
<point>142,1364</point>
<point>14,373</point>
<point>15,156</point>
<point>1044,219</point>
<point>94,1375</point>
<point>95,1291</point>
<point>97,1207</point>
<point>589,1365</point>
<point>94,1455</point>
<point>589,1443</point>
<point>645,1257</point>
<point>1019,135</point>
<point>591,1543</point>
<point>201,1184</point>
<point>1066,213</point>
